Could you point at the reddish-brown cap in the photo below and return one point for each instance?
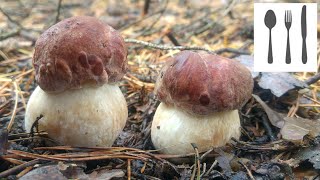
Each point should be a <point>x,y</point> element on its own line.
<point>202,83</point>
<point>77,51</point>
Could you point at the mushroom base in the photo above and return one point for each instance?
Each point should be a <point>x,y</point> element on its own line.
<point>173,130</point>
<point>91,116</point>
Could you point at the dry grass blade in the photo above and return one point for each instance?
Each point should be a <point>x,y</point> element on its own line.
<point>15,105</point>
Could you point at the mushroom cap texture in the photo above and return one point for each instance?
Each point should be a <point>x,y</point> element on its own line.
<point>91,116</point>
<point>77,51</point>
<point>202,83</point>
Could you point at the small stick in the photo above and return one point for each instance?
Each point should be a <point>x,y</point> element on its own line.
<point>197,162</point>
<point>58,11</point>
<point>164,47</point>
<point>211,167</point>
<point>155,22</point>
<point>205,154</point>
<point>313,79</point>
<point>18,168</point>
<point>35,125</point>
<point>248,170</point>
<point>15,106</point>
<point>146,7</point>
<point>10,19</point>
<point>129,169</point>
<point>173,39</point>
<point>9,34</point>
<point>266,125</point>
<point>3,141</point>
<point>25,171</point>
<point>204,169</point>
<point>231,50</point>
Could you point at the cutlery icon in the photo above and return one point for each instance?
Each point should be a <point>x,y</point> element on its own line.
<point>270,21</point>
<point>304,34</point>
<point>287,22</point>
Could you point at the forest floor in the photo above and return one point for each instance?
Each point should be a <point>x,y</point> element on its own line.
<point>280,123</point>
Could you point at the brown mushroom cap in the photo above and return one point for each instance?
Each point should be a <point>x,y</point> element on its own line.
<point>202,83</point>
<point>77,51</point>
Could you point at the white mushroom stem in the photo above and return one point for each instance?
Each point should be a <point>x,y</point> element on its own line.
<point>91,116</point>
<point>173,130</point>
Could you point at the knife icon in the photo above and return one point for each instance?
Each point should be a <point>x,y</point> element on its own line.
<point>304,34</point>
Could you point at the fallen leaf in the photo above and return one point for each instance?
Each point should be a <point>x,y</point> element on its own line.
<point>280,83</point>
<point>275,118</point>
<point>45,172</point>
<point>224,160</point>
<point>311,154</point>
<point>270,170</point>
<point>292,128</point>
<point>293,132</point>
<point>296,128</point>
<point>60,171</point>
<point>106,174</point>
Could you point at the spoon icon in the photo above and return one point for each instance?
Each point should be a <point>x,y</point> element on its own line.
<point>270,21</point>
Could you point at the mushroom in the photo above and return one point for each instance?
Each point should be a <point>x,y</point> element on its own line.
<point>77,64</point>
<point>200,94</point>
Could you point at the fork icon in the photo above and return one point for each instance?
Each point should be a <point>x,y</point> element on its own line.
<point>288,21</point>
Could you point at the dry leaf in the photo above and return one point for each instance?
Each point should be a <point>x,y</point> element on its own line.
<point>296,128</point>
<point>280,83</point>
<point>293,132</point>
<point>275,118</point>
<point>312,154</point>
<point>106,174</point>
<point>292,128</point>
<point>60,171</point>
<point>45,172</point>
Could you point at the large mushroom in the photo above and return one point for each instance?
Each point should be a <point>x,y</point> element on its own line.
<point>77,63</point>
<point>200,94</point>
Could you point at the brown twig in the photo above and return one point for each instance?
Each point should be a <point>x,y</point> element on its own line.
<point>172,39</point>
<point>58,11</point>
<point>164,47</point>
<point>129,169</point>
<point>211,168</point>
<point>197,162</point>
<point>248,170</point>
<point>204,155</point>
<point>9,34</point>
<point>10,19</point>
<point>231,50</point>
<point>155,22</point>
<point>69,157</point>
<point>35,125</point>
<point>3,141</point>
<point>267,127</point>
<point>313,79</point>
<point>19,168</point>
<point>146,7</point>
<point>25,171</point>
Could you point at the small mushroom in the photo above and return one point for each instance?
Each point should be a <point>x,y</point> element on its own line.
<point>200,94</point>
<point>77,63</point>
